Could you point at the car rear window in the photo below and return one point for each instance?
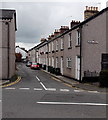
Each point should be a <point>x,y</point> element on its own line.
<point>34,64</point>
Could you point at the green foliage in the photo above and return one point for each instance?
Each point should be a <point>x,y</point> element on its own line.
<point>103,78</point>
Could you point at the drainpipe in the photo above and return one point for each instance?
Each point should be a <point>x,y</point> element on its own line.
<point>35,55</point>
<point>47,56</point>
<point>80,54</point>
<point>8,47</point>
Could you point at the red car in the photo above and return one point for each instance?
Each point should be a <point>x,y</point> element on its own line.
<point>34,65</point>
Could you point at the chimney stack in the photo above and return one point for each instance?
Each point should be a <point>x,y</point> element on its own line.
<point>43,39</point>
<point>90,11</point>
<point>63,29</point>
<point>56,32</point>
<point>74,23</point>
<point>49,37</point>
<point>52,35</point>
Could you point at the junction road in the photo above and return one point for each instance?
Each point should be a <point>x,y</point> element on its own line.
<point>39,95</point>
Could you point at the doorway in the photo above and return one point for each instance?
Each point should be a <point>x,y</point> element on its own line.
<point>78,67</point>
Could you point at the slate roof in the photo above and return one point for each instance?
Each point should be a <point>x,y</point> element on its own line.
<point>8,14</point>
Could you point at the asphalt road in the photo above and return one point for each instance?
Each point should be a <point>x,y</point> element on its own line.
<point>39,95</point>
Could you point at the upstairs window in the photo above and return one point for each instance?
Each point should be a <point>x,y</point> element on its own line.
<point>78,38</point>
<point>56,44</point>
<point>49,47</point>
<point>69,40</point>
<point>52,46</point>
<point>46,48</point>
<point>56,62</point>
<point>62,43</point>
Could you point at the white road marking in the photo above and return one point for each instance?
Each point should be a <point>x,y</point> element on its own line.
<point>37,78</point>
<point>68,103</point>
<point>10,88</point>
<point>65,90</point>
<point>37,89</point>
<point>78,90</point>
<point>24,88</point>
<point>93,92</point>
<point>51,89</point>
<point>43,85</point>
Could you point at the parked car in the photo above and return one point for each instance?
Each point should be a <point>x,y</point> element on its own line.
<point>34,65</point>
<point>28,64</point>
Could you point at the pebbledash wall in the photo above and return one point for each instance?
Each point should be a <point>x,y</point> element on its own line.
<point>7,43</point>
<point>77,51</point>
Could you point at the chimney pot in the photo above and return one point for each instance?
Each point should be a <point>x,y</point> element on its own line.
<point>96,8</point>
<point>86,7</point>
<point>91,7</point>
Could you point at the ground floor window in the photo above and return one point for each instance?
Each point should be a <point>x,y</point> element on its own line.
<point>52,61</point>
<point>49,62</point>
<point>69,63</point>
<point>56,62</point>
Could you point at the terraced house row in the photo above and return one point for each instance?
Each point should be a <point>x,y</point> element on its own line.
<point>75,52</point>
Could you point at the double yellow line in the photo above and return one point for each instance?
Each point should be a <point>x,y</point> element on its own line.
<point>18,79</point>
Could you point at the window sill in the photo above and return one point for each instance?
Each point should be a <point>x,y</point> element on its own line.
<point>68,67</point>
<point>46,52</point>
<point>77,46</point>
<point>53,51</point>
<point>69,47</point>
<point>62,49</point>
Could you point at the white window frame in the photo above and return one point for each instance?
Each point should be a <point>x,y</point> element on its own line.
<point>52,45</point>
<point>52,61</point>
<point>46,48</point>
<point>78,37</point>
<point>62,43</point>
<point>49,47</point>
<point>56,44</point>
<point>49,62</point>
<point>69,62</point>
<point>56,62</point>
<point>69,40</point>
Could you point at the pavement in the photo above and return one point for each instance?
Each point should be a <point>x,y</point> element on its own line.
<point>3,82</point>
<point>94,86</point>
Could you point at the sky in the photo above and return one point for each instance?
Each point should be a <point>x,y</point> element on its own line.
<point>38,19</point>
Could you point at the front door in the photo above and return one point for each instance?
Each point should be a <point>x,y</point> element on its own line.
<point>62,65</point>
<point>78,67</point>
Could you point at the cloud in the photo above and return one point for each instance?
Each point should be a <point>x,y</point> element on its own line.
<point>36,20</point>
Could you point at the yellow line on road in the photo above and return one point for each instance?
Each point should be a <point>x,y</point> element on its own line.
<point>67,85</point>
<point>18,79</point>
<point>56,79</point>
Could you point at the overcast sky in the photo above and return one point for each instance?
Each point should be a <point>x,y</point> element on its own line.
<point>36,20</point>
